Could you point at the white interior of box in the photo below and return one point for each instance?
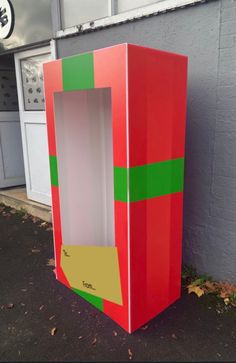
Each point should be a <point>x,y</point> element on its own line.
<point>83,124</point>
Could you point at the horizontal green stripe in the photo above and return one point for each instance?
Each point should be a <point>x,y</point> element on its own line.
<point>78,72</point>
<point>53,170</point>
<point>149,181</point>
<point>94,300</point>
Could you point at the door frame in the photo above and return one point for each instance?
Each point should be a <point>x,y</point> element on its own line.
<point>5,182</point>
<point>36,119</point>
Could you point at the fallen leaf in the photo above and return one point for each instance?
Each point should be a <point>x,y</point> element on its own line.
<point>115,333</point>
<point>196,289</point>
<point>9,306</point>
<point>227,288</point>
<point>94,341</point>
<point>5,214</point>
<point>43,224</point>
<point>35,250</point>
<point>51,317</point>
<point>197,282</point>
<point>223,294</point>
<point>226,301</point>
<point>41,307</point>
<point>130,354</point>
<point>173,336</point>
<point>144,327</point>
<point>80,337</point>
<point>51,262</point>
<point>211,286</point>
<point>53,331</point>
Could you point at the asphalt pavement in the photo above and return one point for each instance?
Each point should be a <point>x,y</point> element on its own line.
<point>41,320</point>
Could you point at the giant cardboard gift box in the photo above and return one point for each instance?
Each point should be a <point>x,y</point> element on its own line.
<point>116,133</point>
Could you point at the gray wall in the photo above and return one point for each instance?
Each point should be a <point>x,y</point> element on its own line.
<point>207,34</point>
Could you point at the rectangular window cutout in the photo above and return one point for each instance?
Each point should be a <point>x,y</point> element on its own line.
<point>83,125</point>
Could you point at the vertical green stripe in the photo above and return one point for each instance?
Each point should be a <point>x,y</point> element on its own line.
<point>120,184</point>
<point>149,181</point>
<point>94,300</point>
<point>78,72</point>
<point>53,170</point>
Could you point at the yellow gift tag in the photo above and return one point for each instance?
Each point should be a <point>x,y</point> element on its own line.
<point>94,270</point>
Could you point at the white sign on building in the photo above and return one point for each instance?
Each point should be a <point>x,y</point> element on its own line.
<point>6,19</point>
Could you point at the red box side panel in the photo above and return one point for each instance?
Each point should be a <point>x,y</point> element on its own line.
<point>157,105</point>
<point>155,243</point>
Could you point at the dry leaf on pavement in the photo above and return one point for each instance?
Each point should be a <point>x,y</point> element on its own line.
<point>94,341</point>
<point>53,331</point>
<point>130,353</point>
<point>5,214</point>
<point>223,294</point>
<point>51,262</point>
<point>196,289</point>
<point>9,306</point>
<point>226,301</point>
<point>210,286</point>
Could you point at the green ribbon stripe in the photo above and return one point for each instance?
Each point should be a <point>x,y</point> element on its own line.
<point>53,170</point>
<point>94,300</point>
<point>78,72</point>
<point>143,182</point>
<point>148,181</point>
